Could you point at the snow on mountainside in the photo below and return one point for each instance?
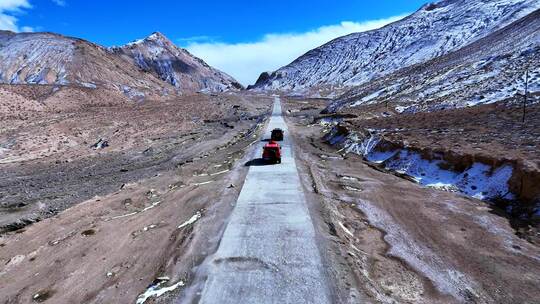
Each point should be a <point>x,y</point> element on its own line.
<point>47,58</point>
<point>489,70</point>
<point>158,55</point>
<point>34,58</point>
<point>434,30</point>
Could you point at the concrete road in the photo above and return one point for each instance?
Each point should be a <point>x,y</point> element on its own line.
<point>268,253</point>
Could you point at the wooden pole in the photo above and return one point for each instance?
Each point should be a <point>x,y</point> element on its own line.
<point>525,95</point>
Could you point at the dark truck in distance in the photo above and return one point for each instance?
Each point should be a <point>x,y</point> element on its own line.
<point>277,135</point>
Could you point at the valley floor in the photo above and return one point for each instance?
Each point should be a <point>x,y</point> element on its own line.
<point>403,242</point>
<point>84,225</point>
<point>135,222</point>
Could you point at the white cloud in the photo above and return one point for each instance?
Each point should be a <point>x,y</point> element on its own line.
<point>60,2</point>
<point>245,61</point>
<point>13,5</point>
<point>197,39</point>
<point>7,20</point>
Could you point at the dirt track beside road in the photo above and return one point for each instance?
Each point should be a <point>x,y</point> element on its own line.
<point>398,241</point>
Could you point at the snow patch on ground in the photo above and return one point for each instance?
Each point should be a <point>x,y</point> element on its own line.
<point>157,289</point>
<point>191,220</point>
<point>132,93</point>
<point>88,85</point>
<point>136,212</point>
<point>480,181</point>
<point>379,157</point>
<point>347,231</point>
<point>329,121</point>
<point>368,98</point>
<point>361,147</point>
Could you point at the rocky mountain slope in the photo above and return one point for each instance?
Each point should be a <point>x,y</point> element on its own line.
<point>489,70</point>
<point>47,58</point>
<point>158,55</point>
<point>436,29</point>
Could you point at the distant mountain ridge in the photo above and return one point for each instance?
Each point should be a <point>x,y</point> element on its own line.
<point>158,55</point>
<point>152,66</point>
<point>434,30</point>
<point>490,70</point>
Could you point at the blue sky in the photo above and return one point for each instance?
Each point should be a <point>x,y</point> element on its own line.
<point>209,28</point>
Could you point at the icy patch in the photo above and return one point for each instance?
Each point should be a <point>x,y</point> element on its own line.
<point>146,228</point>
<point>151,206</point>
<point>445,278</point>
<point>380,157</point>
<point>349,188</point>
<point>351,178</point>
<point>203,183</point>
<point>329,121</point>
<point>156,290</point>
<point>191,220</point>
<point>478,181</point>
<point>444,187</point>
<point>362,147</point>
<point>493,96</point>
<point>132,93</point>
<point>347,231</point>
<point>368,98</point>
<point>136,212</point>
<point>3,150</point>
<point>406,109</point>
<point>336,139</point>
<point>220,172</point>
<point>88,85</point>
<point>494,227</point>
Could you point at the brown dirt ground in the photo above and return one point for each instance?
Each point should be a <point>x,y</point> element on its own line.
<point>47,162</point>
<point>495,129</point>
<point>405,243</point>
<point>114,239</point>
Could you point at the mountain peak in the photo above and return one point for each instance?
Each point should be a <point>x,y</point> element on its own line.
<point>154,37</point>
<point>157,36</point>
<point>159,55</point>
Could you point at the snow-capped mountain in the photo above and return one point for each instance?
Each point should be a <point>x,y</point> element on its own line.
<point>489,70</point>
<point>158,55</point>
<point>34,58</point>
<point>434,30</point>
<point>157,66</point>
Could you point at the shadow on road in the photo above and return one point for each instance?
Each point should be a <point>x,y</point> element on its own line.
<point>257,162</point>
<point>268,139</point>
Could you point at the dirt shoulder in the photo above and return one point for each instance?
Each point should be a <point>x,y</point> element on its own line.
<point>147,234</point>
<point>403,242</point>
<point>51,160</point>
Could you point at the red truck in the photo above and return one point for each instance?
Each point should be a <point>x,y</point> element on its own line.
<point>272,152</point>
